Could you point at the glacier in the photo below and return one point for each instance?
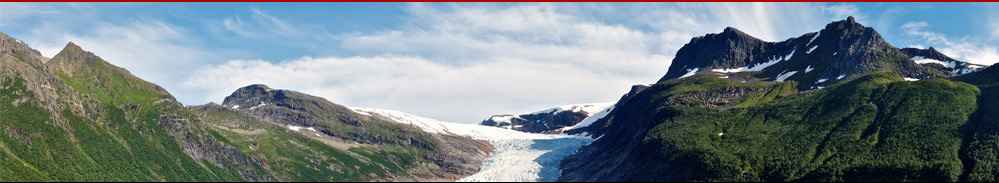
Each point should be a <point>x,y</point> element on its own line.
<point>516,157</point>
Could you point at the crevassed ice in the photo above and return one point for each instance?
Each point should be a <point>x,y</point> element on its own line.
<point>517,156</point>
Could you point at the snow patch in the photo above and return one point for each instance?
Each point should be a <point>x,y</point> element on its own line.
<point>300,128</point>
<point>789,55</point>
<point>811,49</point>
<point>921,60</point>
<point>502,119</point>
<point>235,106</point>
<point>823,80</point>
<point>753,68</point>
<point>690,72</point>
<point>258,105</point>
<point>813,38</point>
<point>590,120</point>
<point>429,125</point>
<point>783,76</point>
<point>840,76</point>
<point>589,108</point>
<point>809,69</point>
<point>910,79</point>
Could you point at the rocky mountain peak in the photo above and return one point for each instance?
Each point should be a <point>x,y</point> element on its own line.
<point>9,45</point>
<point>841,49</point>
<point>848,24</point>
<point>728,48</point>
<point>73,47</point>
<point>930,53</point>
<point>851,32</point>
<point>249,96</point>
<point>732,32</point>
<point>73,54</point>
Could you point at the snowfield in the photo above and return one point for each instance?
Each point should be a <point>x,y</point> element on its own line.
<point>517,156</point>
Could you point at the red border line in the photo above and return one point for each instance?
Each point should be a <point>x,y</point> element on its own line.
<point>486,1</point>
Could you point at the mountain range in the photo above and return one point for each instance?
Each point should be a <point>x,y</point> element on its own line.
<point>839,104</point>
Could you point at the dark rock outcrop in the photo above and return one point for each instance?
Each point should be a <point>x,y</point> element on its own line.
<point>550,120</point>
<point>841,50</point>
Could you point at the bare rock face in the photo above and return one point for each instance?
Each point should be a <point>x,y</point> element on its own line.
<point>104,123</point>
<point>699,122</point>
<point>842,49</point>
<point>550,120</point>
<point>11,46</point>
<point>210,149</point>
<point>453,157</point>
<point>933,59</point>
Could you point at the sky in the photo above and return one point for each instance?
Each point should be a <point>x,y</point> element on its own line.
<point>455,62</point>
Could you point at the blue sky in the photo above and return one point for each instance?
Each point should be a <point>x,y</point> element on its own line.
<point>457,62</point>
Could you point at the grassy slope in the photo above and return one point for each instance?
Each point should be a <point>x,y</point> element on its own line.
<point>122,138</point>
<point>876,127</point>
<point>294,156</point>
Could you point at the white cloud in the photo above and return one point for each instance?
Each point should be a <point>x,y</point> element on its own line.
<point>464,63</point>
<point>262,25</point>
<point>458,63</point>
<point>150,49</point>
<point>497,60</point>
<point>460,93</point>
<point>964,48</point>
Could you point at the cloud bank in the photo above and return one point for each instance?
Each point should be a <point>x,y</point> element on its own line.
<point>452,62</point>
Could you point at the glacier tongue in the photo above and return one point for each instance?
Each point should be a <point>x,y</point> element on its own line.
<point>526,160</point>
<point>517,156</point>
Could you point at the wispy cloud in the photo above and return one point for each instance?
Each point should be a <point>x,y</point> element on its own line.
<point>459,63</point>
<point>503,59</point>
<point>259,24</point>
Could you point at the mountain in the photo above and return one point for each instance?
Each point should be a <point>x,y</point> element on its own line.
<point>732,108</point>
<point>551,120</point>
<point>842,49</point>
<point>985,77</point>
<point>934,59</point>
<point>76,117</point>
<point>516,156</point>
<point>345,139</point>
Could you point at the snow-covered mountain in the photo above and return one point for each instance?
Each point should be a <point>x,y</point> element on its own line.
<point>841,50</point>
<point>550,120</point>
<point>517,156</point>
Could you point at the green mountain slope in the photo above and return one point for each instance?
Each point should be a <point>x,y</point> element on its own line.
<point>75,117</point>
<point>876,127</point>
